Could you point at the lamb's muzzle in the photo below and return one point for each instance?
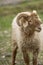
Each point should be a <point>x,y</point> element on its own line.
<point>38,29</point>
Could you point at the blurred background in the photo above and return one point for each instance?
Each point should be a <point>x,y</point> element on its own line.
<point>8,10</point>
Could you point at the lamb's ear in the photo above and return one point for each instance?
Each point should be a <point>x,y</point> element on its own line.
<point>21,18</point>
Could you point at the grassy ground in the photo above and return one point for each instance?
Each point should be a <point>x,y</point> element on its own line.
<point>7,13</point>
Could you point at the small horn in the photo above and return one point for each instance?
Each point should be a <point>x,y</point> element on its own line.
<point>34,11</point>
<point>21,16</point>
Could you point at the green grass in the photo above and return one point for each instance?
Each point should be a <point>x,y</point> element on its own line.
<point>5,31</point>
<point>5,21</point>
<point>25,6</point>
<point>7,13</point>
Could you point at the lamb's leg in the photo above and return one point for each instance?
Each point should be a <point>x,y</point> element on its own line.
<point>14,55</point>
<point>35,57</point>
<point>25,56</point>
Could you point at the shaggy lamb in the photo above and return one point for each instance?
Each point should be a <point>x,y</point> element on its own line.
<point>25,29</point>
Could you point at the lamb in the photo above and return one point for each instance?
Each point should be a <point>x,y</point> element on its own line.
<point>24,36</point>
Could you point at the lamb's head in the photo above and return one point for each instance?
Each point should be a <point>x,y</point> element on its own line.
<point>29,22</point>
<point>35,21</point>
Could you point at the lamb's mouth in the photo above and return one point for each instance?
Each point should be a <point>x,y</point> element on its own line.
<point>38,29</point>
